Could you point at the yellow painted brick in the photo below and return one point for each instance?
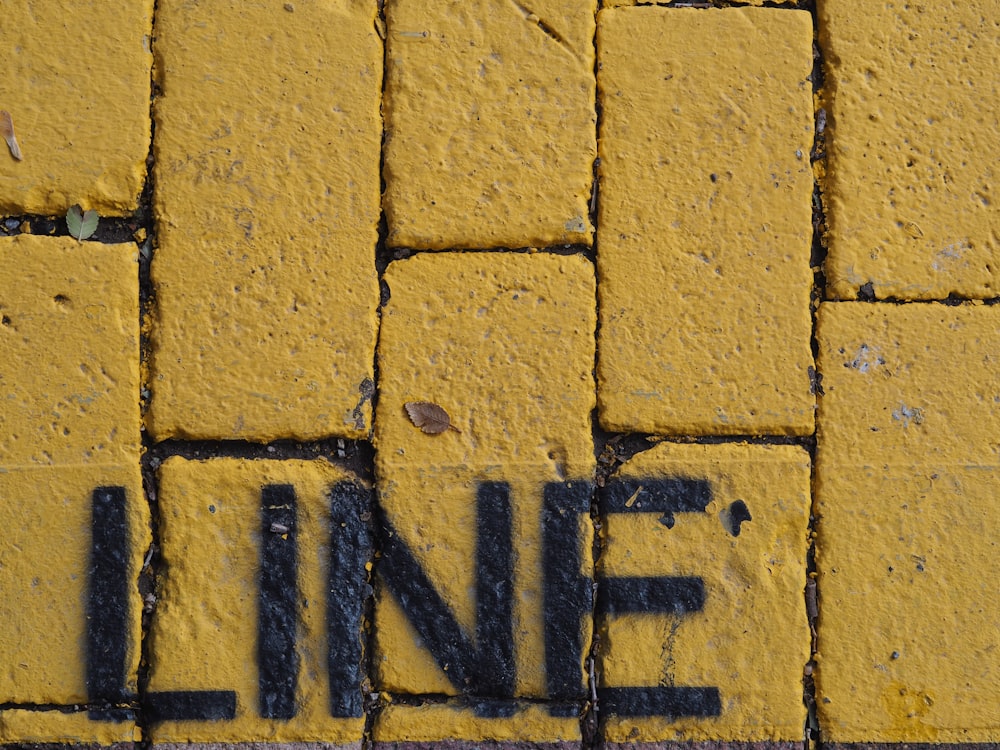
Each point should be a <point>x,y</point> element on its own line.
<point>620,3</point>
<point>750,638</point>
<point>913,101</point>
<point>453,721</point>
<point>704,220</point>
<point>76,83</point>
<point>505,343</point>
<point>205,632</point>
<point>45,576</point>
<point>69,367</point>
<point>69,352</point>
<point>489,125</point>
<point>21,726</point>
<point>906,497</point>
<point>267,173</point>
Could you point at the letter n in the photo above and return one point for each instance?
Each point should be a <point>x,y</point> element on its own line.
<point>483,666</point>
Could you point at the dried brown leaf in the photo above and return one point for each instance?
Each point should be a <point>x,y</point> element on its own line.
<point>429,417</point>
<point>7,131</point>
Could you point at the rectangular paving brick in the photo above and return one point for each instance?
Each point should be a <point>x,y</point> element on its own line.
<point>686,3</point>
<point>69,352</point>
<point>484,573</point>
<point>74,541</point>
<point>906,498</point>
<point>257,632</point>
<point>76,84</point>
<point>490,137</point>
<point>705,221</point>
<point>701,613</point>
<point>912,105</point>
<point>71,505</point>
<point>56,729</point>
<point>452,726</point>
<point>267,174</point>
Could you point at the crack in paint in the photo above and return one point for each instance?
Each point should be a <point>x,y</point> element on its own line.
<point>547,29</point>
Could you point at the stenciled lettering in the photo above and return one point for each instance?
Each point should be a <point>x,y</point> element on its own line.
<point>481,667</point>
<point>277,660</point>
<point>484,667</point>
<point>675,595</point>
<point>567,595</point>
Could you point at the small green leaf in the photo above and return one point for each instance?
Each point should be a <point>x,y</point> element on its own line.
<point>81,224</point>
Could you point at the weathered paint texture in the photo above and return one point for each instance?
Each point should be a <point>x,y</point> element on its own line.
<point>488,337</point>
<point>69,353</point>
<point>490,136</point>
<point>704,221</point>
<point>912,101</point>
<point>906,497</point>
<point>267,174</point>
<point>74,518</point>
<point>256,583</point>
<point>702,485</point>
<point>709,542</point>
<point>76,84</point>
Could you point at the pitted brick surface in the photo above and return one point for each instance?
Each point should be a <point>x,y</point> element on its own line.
<point>75,522</point>
<point>69,352</point>
<point>905,492</point>
<point>489,124</point>
<point>56,730</point>
<point>702,611</point>
<point>490,338</point>
<point>287,561</point>
<point>439,725</point>
<point>76,84</point>
<point>912,99</point>
<point>704,221</point>
<point>267,156</point>
<point>272,635</point>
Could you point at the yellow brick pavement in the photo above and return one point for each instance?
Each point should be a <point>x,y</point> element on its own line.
<point>499,374</point>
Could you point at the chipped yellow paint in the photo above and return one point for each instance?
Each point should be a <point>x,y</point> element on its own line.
<point>911,92</point>
<point>69,352</point>
<point>450,721</point>
<point>76,83</point>
<point>21,726</point>
<point>267,174</point>
<point>751,639</point>
<point>505,343</point>
<point>207,613</point>
<point>704,221</point>
<point>489,126</point>
<point>906,482</point>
